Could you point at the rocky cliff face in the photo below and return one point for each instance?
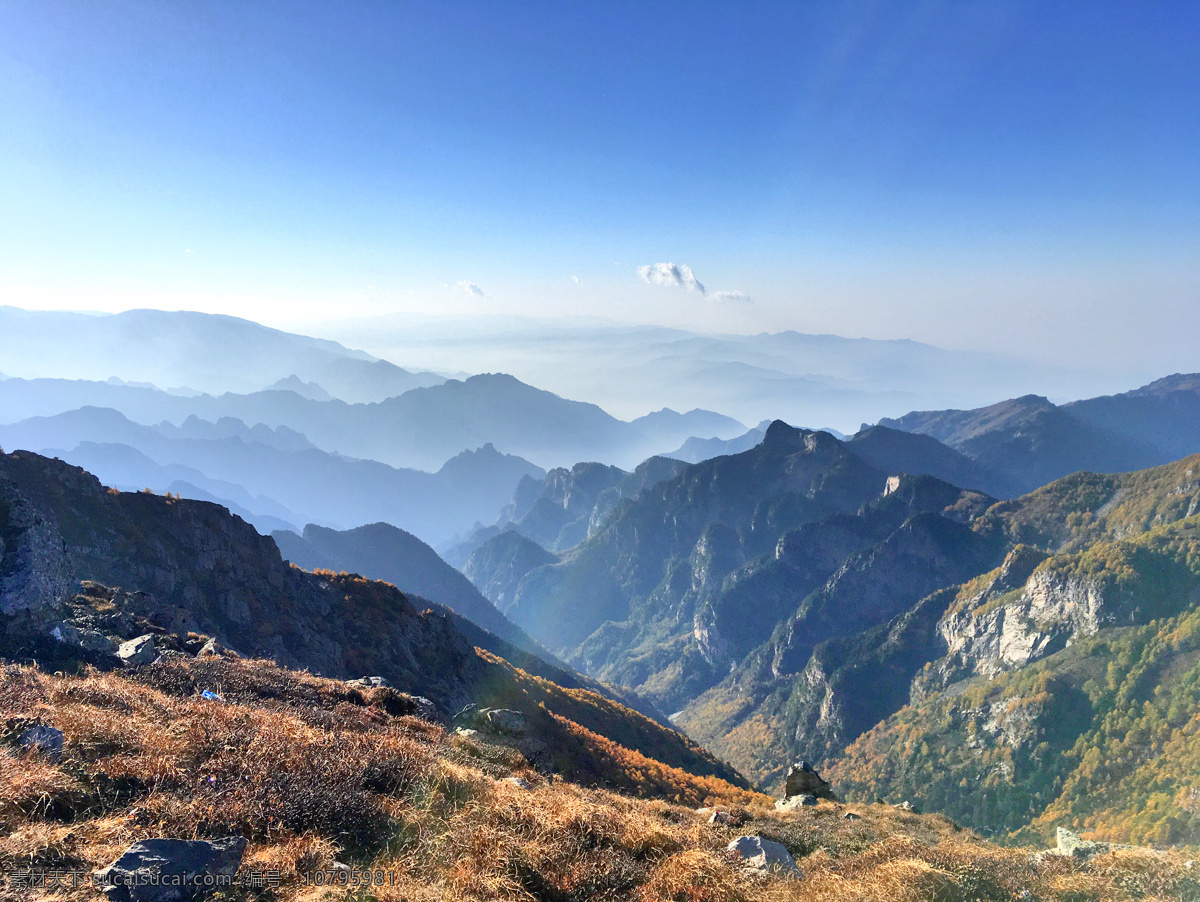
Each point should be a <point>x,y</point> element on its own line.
<point>34,571</point>
<point>566,506</point>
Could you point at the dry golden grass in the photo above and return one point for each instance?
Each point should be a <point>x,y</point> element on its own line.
<point>313,773</point>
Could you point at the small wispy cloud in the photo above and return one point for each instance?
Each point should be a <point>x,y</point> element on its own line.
<point>575,279</point>
<point>679,275</point>
<point>730,297</point>
<point>469,288</point>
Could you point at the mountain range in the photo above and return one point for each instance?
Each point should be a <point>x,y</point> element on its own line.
<point>421,429</point>
<point>1028,441</point>
<point>275,477</point>
<point>191,353</point>
<point>814,380</point>
<point>850,601</point>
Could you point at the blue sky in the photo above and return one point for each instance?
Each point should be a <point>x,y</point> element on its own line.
<point>994,175</point>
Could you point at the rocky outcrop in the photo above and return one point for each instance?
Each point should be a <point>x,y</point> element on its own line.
<point>881,582</point>
<point>803,779</point>
<point>35,572</point>
<point>172,870</point>
<point>791,803</point>
<point>1072,845</point>
<point>1005,628</point>
<point>502,721</point>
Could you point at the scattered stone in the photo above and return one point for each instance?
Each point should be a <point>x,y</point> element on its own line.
<point>171,870</point>
<point>791,803</point>
<point>763,856</point>
<point>851,816</point>
<point>500,720</point>
<point>519,782</point>
<point>720,818</point>
<point>906,805</point>
<point>88,640</point>
<point>705,812</point>
<point>137,652</point>
<point>468,733</point>
<point>46,741</point>
<point>369,682</point>
<point>802,779</point>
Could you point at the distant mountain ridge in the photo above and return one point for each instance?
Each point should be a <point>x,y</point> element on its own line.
<point>204,352</point>
<point>277,475</point>
<point>1028,441</point>
<point>817,380</point>
<point>421,429</point>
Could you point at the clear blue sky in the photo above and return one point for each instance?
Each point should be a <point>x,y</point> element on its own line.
<point>974,174</point>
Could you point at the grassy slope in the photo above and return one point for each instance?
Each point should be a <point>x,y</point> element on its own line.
<point>311,771</point>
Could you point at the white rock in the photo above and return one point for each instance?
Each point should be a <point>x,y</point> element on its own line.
<point>764,855</point>
<point>138,651</point>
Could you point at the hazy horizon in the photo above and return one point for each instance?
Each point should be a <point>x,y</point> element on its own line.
<point>1000,177</point>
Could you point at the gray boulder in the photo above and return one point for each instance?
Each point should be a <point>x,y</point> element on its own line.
<point>851,816</point>
<point>501,720</point>
<point>1072,844</point>
<point>87,639</point>
<point>137,652</point>
<point>720,818</point>
<point>47,741</point>
<point>171,870</point>
<point>763,856</point>
<point>802,779</point>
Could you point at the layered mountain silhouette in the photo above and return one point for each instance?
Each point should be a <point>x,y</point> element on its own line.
<point>421,429</point>
<point>200,352</point>
<point>1028,441</point>
<point>383,552</point>
<point>565,506</point>
<point>276,475</point>
<point>816,380</point>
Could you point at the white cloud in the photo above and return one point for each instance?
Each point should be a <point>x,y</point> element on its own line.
<point>677,275</point>
<point>730,297</point>
<point>470,288</point>
<point>680,275</point>
<point>575,279</point>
